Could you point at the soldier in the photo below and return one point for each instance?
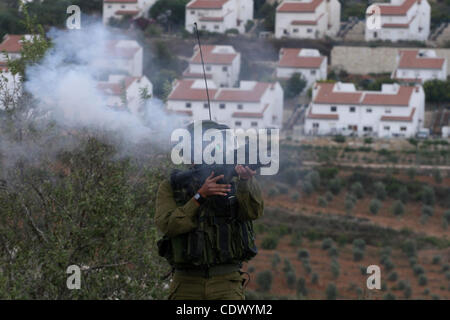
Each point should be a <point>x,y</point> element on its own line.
<point>208,232</point>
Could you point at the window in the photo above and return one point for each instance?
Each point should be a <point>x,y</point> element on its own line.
<point>387,128</point>
<point>222,106</point>
<point>315,125</point>
<point>208,68</point>
<point>216,27</point>
<point>238,123</point>
<point>254,124</point>
<point>295,30</point>
<point>192,12</point>
<point>188,105</point>
<point>309,30</point>
<point>367,129</point>
<point>420,29</point>
<point>368,110</point>
<point>203,27</point>
<point>122,6</point>
<point>205,106</point>
<point>375,34</point>
<point>285,31</point>
<point>224,68</point>
<point>352,109</point>
<point>333,108</point>
<point>110,6</point>
<point>240,107</point>
<point>313,72</point>
<point>402,128</point>
<point>387,110</point>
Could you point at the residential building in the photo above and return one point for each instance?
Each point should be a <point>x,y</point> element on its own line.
<point>219,15</point>
<point>121,57</point>
<point>11,46</point>
<point>307,62</point>
<point>338,108</point>
<point>251,105</point>
<point>398,20</point>
<point>222,65</point>
<point>419,66</point>
<point>117,9</point>
<point>308,19</point>
<point>125,92</point>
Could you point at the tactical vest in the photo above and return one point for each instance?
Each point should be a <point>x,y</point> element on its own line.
<point>220,237</point>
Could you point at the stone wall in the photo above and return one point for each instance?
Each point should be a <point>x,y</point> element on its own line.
<point>364,60</point>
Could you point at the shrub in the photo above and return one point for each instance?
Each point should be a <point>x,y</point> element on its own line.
<point>374,206</point>
<point>287,265</point>
<point>303,254</point>
<point>322,202</point>
<point>403,194</point>
<point>335,186</point>
<point>270,242</point>
<point>389,265</point>
<point>358,254</point>
<point>447,275</point>
<point>435,297</point>
<point>446,216</point>
<point>359,243</point>
<point>333,252</point>
<point>427,211</point>
<point>437,176</point>
<point>445,267</point>
<point>393,276</point>
<point>436,259</point>
<point>349,205</point>
<point>307,187</point>
<point>335,268</point>
<point>402,285</point>
<point>380,190</point>
<point>290,279</point>
<point>296,239</point>
<point>411,173</point>
<point>295,196</point>
<point>409,247</point>
<point>331,292</point>
<point>407,292</point>
<point>398,208</point>
<point>275,260</point>
<point>264,280</point>
<point>418,270</point>
<point>389,296</point>
<point>315,278</point>
<point>314,178</point>
<point>428,196</point>
<point>422,280</point>
<point>357,189</point>
<point>273,192</point>
<point>301,287</point>
<point>412,261</point>
<point>329,198</point>
<point>327,243</point>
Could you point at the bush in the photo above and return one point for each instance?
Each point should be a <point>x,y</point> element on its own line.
<point>428,196</point>
<point>331,292</point>
<point>409,247</point>
<point>270,242</point>
<point>333,252</point>
<point>402,285</point>
<point>287,265</point>
<point>357,189</point>
<point>301,287</point>
<point>315,278</point>
<point>403,194</point>
<point>374,206</point>
<point>314,178</point>
<point>296,239</point>
<point>407,292</point>
<point>295,196</point>
<point>275,260</point>
<point>393,276</point>
<point>358,254</point>
<point>427,211</point>
<point>380,190</point>
<point>327,243</point>
<point>307,187</point>
<point>290,279</point>
<point>418,270</point>
<point>437,176</point>
<point>264,280</point>
<point>422,280</point>
<point>359,243</point>
<point>273,192</point>
<point>389,265</point>
<point>303,254</point>
<point>335,268</point>
<point>398,208</point>
<point>446,216</point>
<point>436,259</point>
<point>294,86</point>
<point>335,186</point>
<point>389,296</point>
<point>339,139</point>
<point>329,198</point>
<point>322,202</point>
<point>445,267</point>
<point>411,173</point>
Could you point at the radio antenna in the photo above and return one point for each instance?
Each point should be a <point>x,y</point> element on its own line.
<point>204,72</point>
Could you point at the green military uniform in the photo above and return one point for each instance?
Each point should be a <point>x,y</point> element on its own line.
<point>212,271</point>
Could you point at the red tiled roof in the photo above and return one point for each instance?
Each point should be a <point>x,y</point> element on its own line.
<point>250,114</point>
<point>290,59</point>
<point>322,116</point>
<point>306,22</point>
<point>115,89</point>
<point>294,6</point>
<point>409,59</point>
<point>207,4</point>
<point>120,1</point>
<point>11,43</point>
<point>253,95</point>
<point>399,118</point>
<point>183,91</point>
<point>401,98</point>
<point>210,57</point>
<point>327,96</point>
<point>401,10</point>
<point>127,12</point>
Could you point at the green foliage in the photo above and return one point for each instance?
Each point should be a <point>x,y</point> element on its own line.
<point>335,186</point>
<point>301,287</point>
<point>267,13</point>
<point>409,247</point>
<point>437,91</point>
<point>275,260</point>
<point>322,202</point>
<point>374,206</point>
<point>358,254</point>
<point>303,254</point>
<point>398,208</point>
<point>291,279</point>
<point>339,139</point>
<point>296,239</point>
<point>393,276</point>
<point>437,176</point>
<point>328,196</point>
<point>331,292</point>
<point>177,8</point>
<point>315,278</point>
<point>422,280</point>
<point>357,189</point>
<point>270,242</point>
<point>418,270</point>
<point>307,187</point>
<point>264,280</point>
<point>287,265</point>
<point>428,196</point>
<point>335,268</point>
<point>327,243</point>
<point>389,296</point>
<point>427,211</point>
<point>436,259</point>
<point>294,86</point>
<point>380,190</point>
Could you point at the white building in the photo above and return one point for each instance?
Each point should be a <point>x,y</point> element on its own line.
<point>252,105</point>
<point>12,46</point>
<point>338,108</point>
<point>121,57</point>
<point>399,20</point>
<point>218,15</point>
<point>125,92</point>
<point>120,8</point>
<point>307,62</point>
<point>419,66</point>
<point>308,19</point>
<point>222,65</point>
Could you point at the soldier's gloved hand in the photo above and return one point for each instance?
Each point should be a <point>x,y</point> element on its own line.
<point>212,188</point>
<point>244,173</point>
